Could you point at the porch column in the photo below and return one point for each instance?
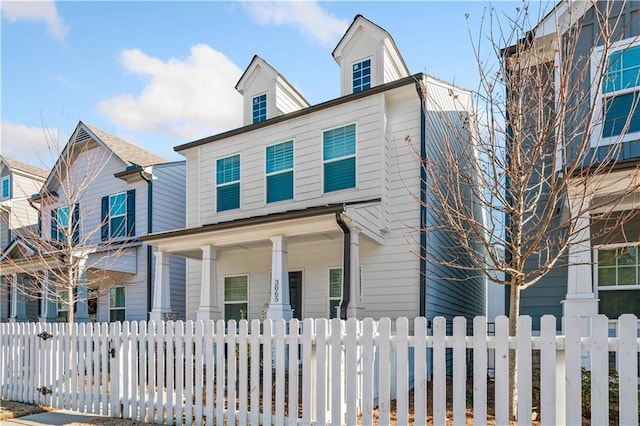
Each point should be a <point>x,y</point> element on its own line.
<point>82,306</point>
<point>18,302</point>
<point>355,308</point>
<point>279,306</point>
<point>580,299</point>
<point>161,288</point>
<point>48,311</point>
<point>209,308</point>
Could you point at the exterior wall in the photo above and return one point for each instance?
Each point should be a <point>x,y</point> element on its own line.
<point>285,102</point>
<point>367,113</point>
<point>261,81</point>
<point>361,46</point>
<point>168,206</point>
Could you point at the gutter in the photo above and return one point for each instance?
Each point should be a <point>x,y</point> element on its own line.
<point>346,265</point>
<point>149,179</point>
<point>423,204</point>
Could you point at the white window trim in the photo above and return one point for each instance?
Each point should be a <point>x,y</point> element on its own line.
<point>355,155</point>
<point>329,298</point>
<point>596,285</point>
<point>266,175</point>
<point>126,201</point>
<point>8,180</point>
<point>266,111</point>
<point>359,61</point>
<point>235,302</point>
<point>124,308</point>
<point>239,182</point>
<point>597,96</point>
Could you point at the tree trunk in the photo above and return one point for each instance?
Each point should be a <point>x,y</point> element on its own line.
<point>70,304</point>
<point>514,310</point>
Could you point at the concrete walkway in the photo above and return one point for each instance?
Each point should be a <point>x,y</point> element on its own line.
<point>58,417</point>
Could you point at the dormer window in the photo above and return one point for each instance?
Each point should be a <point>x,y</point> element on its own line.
<point>361,76</point>
<point>5,188</point>
<point>259,108</point>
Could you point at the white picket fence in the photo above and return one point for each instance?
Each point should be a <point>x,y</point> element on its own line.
<point>318,372</point>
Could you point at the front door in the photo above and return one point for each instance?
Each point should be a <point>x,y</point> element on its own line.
<point>295,293</point>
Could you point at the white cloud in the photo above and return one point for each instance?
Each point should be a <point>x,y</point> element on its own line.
<point>30,10</point>
<point>29,144</point>
<point>307,16</point>
<point>186,98</point>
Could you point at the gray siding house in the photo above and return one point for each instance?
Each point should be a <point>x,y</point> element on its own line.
<point>111,192</point>
<point>314,211</point>
<point>602,275</point>
<point>18,181</point>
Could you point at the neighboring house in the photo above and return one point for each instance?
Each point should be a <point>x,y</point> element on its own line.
<point>601,276</point>
<point>315,211</point>
<point>18,181</point>
<point>111,192</point>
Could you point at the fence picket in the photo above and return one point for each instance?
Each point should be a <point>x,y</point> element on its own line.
<point>142,370</point>
<point>179,339</point>
<point>106,359</point>
<point>254,345</point>
<point>573,389</point>
<point>439,372</point>
<point>243,372</point>
<point>219,339</point>
<point>294,373</point>
<point>279,363</point>
<point>548,370</point>
<point>351,370</point>
<point>231,372</point>
<point>402,378</point>
<point>74,366</point>
<point>170,361</point>
<point>628,374</point>
<point>151,370</point>
<point>599,370</point>
<point>335,387</point>
<point>188,372</point>
<point>321,371</point>
<point>480,368</point>
<point>199,373</point>
<point>209,370</point>
<point>384,368</point>
<point>460,370</point>
<point>308,382</point>
<point>524,370</point>
<point>420,372</point>
<point>124,376</point>
<point>267,371</point>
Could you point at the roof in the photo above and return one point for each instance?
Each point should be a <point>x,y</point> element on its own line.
<point>412,79</point>
<point>27,168</point>
<point>129,153</point>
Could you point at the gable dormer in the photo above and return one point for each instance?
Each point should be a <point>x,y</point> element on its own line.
<point>266,93</point>
<point>368,57</point>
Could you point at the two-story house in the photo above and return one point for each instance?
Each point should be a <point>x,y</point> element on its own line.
<point>108,192</point>
<point>320,211</point>
<point>18,181</point>
<point>601,271</point>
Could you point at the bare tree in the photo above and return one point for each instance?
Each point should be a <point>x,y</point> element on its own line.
<point>63,259</point>
<point>539,153</point>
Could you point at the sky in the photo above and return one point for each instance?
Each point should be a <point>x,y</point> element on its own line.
<point>161,73</point>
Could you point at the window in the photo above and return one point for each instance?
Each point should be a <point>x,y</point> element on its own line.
<point>228,183</point>
<point>279,172</point>
<point>63,305</point>
<point>619,94</point>
<point>335,291</point>
<point>235,298</point>
<point>117,304</point>
<point>6,189</point>
<point>60,224</point>
<point>339,156</point>
<point>118,215</point>
<point>259,108</point>
<point>361,76</point>
<point>618,274</point>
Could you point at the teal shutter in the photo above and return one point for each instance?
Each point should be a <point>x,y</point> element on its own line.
<point>104,230</point>
<point>617,110</point>
<point>75,224</point>
<point>131,212</point>
<point>54,225</point>
<point>280,187</point>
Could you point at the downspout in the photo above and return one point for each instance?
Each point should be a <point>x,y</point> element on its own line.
<point>423,202</point>
<point>149,180</point>
<point>346,265</point>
